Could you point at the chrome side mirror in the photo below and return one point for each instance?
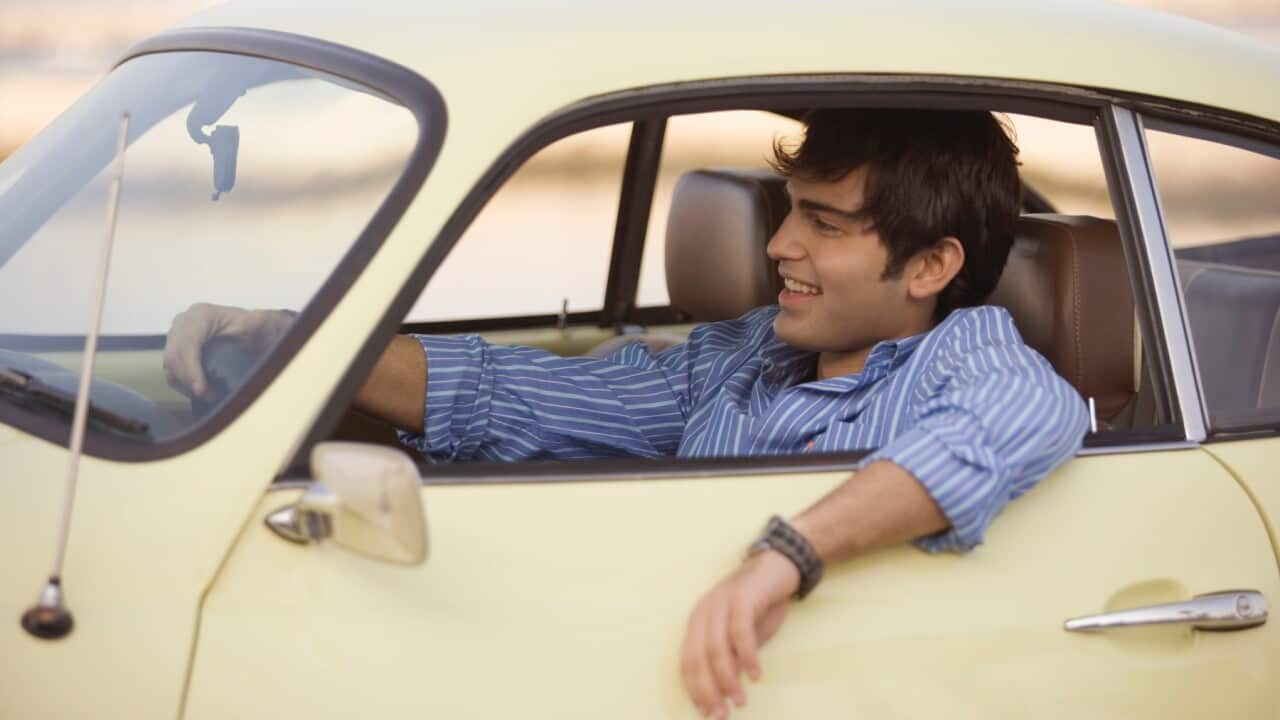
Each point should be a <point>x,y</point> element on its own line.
<point>366,498</point>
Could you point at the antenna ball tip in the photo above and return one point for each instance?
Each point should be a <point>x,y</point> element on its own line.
<point>48,623</point>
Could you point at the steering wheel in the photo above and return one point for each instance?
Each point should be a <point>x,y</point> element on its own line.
<point>227,364</point>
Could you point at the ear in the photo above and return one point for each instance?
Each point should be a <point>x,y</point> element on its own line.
<point>932,269</point>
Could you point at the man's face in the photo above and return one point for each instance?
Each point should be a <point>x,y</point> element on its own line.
<point>832,263</point>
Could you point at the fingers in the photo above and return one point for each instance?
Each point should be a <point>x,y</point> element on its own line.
<point>182,348</point>
<point>695,670</point>
<point>728,626</point>
<point>724,664</point>
<point>195,326</point>
<point>719,646</point>
<point>742,633</point>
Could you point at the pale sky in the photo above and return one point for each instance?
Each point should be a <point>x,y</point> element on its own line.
<point>51,51</point>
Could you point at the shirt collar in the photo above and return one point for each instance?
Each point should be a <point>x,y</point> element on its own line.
<point>891,354</point>
<point>779,358</point>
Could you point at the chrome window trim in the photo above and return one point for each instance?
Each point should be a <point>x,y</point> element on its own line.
<point>1168,446</point>
<point>1125,128</point>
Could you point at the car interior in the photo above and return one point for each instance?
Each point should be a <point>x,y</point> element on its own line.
<point>1233,304</point>
<point>1065,284</point>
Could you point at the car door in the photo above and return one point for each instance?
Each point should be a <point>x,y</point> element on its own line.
<point>146,514</point>
<point>563,591</point>
<point>1217,188</point>
<point>568,599</point>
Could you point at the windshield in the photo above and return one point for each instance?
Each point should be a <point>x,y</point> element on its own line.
<point>245,182</point>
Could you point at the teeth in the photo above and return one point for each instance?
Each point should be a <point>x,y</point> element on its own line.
<point>797,286</point>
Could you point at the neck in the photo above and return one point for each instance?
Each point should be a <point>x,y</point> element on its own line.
<point>833,363</point>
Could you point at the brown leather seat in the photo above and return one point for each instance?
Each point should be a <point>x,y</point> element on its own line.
<point>721,219</point>
<point>1067,287</point>
<point>1065,283</point>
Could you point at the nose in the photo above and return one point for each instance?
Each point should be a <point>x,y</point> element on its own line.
<point>785,243</point>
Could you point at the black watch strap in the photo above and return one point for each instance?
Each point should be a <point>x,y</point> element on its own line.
<point>779,535</point>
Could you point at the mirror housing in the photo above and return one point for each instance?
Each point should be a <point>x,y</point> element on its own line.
<point>366,498</point>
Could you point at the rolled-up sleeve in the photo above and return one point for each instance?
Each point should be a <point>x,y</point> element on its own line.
<point>998,421</point>
<point>493,402</point>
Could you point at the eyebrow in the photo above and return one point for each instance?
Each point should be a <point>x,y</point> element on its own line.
<point>823,207</point>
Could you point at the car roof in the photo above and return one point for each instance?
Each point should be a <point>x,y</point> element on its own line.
<point>531,58</point>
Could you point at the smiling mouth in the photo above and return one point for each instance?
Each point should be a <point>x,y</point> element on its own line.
<point>796,286</point>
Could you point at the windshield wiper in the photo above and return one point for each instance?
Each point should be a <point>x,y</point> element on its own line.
<point>22,386</point>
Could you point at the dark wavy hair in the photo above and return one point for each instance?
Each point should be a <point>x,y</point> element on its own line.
<point>931,173</point>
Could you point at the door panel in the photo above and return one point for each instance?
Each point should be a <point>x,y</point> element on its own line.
<point>146,540</point>
<point>1254,462</point>
<point>569,600</point>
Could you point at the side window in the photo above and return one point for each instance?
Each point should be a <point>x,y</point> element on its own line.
<point>1060,163</point>
<point>543,239</point>
<point>1220,198</point>
<point>1061,167</point>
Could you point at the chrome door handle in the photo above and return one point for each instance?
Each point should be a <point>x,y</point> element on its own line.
<point>1228,610</point>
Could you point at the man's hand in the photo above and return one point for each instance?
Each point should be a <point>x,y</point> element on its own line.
<point>881,505</point>
<point>729,625</point>
<point>202,322</point>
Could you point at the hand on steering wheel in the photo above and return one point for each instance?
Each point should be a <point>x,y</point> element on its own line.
<point>211,350</point>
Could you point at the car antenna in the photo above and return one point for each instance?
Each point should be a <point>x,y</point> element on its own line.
<point>49,618</point>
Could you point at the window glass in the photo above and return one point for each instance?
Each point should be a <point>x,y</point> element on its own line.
<point>1060,161</point>
<point>544,238</point>
<point>1221,205</point>
<point>245,181</point>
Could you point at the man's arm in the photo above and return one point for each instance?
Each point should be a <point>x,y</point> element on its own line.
<point>396,389</point>
<point>879,506</point>
<point>998,421</point>
<point>486,400</point>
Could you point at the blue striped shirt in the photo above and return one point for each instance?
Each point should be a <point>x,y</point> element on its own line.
<point>967,408</point>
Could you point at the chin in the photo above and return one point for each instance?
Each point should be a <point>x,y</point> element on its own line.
<point>788,333</point>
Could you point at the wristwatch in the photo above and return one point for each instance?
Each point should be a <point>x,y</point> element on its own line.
<point>779,535</point>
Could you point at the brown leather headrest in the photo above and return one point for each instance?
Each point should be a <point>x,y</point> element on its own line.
<point>720,222</point>
<point>1068,291</point>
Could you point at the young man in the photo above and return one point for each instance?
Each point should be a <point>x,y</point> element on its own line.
<point>900,225</point>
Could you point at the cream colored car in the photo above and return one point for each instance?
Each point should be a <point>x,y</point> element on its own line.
<point>559,174</point>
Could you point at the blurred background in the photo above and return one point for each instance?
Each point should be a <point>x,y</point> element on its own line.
<point>52,51</point>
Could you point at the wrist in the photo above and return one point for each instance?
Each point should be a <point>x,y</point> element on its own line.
<point>780,538</point>
<point>777,570</point>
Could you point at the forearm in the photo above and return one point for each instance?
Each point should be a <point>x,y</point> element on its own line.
<point>881,505</point>
<point>396,389</point>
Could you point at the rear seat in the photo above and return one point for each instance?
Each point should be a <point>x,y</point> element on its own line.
<point>1234,314</point>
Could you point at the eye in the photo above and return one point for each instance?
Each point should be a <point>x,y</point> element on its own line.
<point>822,226</point>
